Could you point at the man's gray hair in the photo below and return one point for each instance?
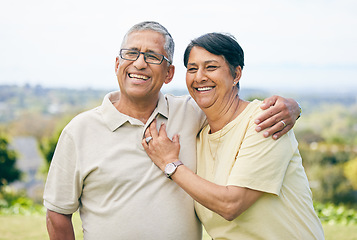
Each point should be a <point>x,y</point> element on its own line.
<point>169,46</point>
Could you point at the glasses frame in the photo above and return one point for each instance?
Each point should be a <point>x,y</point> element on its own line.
<point>145,56</point>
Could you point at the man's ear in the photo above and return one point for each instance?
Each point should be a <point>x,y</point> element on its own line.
<point>170,74</point>
<point>116,64</point>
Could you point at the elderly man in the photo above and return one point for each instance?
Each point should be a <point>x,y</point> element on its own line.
<point>101,168</point>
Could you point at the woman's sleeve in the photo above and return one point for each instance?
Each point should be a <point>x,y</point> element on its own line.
<point>261,163</point>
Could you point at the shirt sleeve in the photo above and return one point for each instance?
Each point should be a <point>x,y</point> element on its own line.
<point>261,163</point>
<point>63,186</point>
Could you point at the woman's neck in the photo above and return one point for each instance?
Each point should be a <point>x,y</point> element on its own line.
<point>220,115</point>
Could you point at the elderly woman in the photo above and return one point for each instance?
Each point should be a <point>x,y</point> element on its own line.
<point>247,186</point>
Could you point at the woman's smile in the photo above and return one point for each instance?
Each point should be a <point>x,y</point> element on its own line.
<point>208,79</point>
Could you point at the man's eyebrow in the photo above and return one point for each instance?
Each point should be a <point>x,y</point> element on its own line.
<point>137,49</point>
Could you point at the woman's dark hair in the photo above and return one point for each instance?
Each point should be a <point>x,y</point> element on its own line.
<point>219,44</point>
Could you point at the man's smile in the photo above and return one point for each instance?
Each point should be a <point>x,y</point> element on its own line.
<point>138,76</point>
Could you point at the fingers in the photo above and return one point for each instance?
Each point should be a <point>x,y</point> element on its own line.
<point>268,102</point>
<point>274,125</point>
<point>162,130</point>
<point>270,117</point>
<point>176,138</point>
<point>153,129</point>
<point>277,130</point>
<point>286,129</point>
<point>147,133</point>
<point>152,132</point>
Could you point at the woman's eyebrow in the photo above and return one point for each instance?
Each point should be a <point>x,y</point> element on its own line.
<point>206,62</point>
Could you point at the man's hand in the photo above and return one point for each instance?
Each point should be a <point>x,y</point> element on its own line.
<point>280,115</point>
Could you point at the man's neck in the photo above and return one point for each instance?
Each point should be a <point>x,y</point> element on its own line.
<point>140,109</point>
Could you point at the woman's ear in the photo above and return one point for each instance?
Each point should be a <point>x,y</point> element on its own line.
<point>238,75</point>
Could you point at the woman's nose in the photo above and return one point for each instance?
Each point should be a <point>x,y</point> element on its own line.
<point>200,76</point>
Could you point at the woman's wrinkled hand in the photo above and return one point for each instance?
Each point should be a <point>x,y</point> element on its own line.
<point>160,148</point>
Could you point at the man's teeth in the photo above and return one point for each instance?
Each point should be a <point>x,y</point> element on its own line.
<point>204,88</point>
<point>138,76</point>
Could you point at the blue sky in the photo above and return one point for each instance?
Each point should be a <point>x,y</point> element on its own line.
<point>288,44</point>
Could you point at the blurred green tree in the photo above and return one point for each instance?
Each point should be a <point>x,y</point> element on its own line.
<point>47,144</point>
<point>8,170</point>
<point>350,171</point>
<point>47,148</point>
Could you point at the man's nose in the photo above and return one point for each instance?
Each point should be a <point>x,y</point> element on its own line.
<point>140,62</point>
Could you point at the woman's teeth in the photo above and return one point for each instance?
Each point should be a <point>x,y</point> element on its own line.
<point>204,88</point>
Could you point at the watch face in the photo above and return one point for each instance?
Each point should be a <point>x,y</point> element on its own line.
<point>170,168</point>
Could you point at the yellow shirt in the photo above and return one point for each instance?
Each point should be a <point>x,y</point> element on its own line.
<point>238,155</point>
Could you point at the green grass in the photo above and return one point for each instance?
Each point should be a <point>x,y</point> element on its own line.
<point>16,227</point>
<point>20,227</point>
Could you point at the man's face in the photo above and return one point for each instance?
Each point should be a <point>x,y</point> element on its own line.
<point>140,80</point>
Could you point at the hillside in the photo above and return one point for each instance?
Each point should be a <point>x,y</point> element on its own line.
<point>16,101</point>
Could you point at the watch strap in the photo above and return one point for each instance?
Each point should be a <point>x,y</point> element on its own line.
<point>177,163</point>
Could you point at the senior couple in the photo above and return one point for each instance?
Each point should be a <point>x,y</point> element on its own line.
<point>130,166</point>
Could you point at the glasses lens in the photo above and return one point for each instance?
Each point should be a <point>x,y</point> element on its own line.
<point>153,58</point>
<point>129,54</point>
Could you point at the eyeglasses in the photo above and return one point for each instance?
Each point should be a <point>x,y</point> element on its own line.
<point>149,57</point>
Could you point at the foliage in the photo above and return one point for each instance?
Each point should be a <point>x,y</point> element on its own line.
<point>350,170</point>
<point>332,185</point>
<point>13,202</point>
<point>327,138</point>
<point>336,214</point>
<point>47,147</point>
<point>8,170</point>
<point>333,123</point>
<point>47,144</point>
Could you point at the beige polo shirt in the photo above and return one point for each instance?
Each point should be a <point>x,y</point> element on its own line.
<point>100,167</point>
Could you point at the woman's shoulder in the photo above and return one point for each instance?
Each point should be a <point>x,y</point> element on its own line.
<point>252,109</point>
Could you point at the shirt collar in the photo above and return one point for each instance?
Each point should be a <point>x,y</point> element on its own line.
<point>115,119</point>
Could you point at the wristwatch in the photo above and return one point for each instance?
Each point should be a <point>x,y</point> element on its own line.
<point>171,168</point>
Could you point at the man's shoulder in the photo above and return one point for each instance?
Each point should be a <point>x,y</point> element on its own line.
<point>177,98</point>
<point>180,101</point>
<point>84,117</point>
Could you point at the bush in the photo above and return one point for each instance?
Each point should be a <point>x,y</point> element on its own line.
<point>350,170</point>
<point>13,202</point>
<point>332,214</point>
<point>332,185</point>
<point>8,170</point>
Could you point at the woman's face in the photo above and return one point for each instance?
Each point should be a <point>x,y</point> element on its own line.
<point>208,78</point>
